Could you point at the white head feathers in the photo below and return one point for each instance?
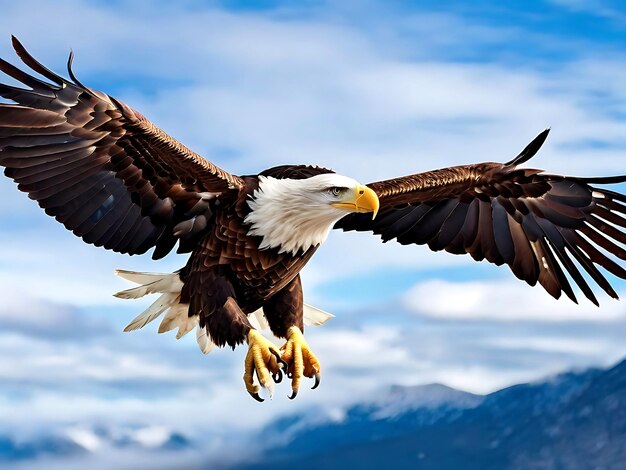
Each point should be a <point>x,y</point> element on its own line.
<point>294,215</point>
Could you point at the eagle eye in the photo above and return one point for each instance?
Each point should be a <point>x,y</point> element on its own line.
<point>337,191</point>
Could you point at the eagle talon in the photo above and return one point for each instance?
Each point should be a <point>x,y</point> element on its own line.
<point>262,360</point>
<point>282,364</point>
<point>256,397</point>
<point>302,362</point>
<point>318,378</point>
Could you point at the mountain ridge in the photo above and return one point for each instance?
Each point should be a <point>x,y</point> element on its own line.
<point>570,420</point>
<point>574,420</point>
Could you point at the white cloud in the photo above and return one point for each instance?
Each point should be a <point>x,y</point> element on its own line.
<point>85,438</point>
<point>599,347</point>
<point>22,309</point>
<point>152,436</point>
<point>602,8</point>
<point>503,301</point>
<point>369,348</point>
<point>47,362</point>
<point>51,264</point>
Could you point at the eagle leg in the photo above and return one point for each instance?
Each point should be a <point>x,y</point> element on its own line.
<point>301,360</point>
<point>263,358</point>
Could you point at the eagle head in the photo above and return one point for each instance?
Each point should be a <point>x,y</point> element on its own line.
<point>297,214</point>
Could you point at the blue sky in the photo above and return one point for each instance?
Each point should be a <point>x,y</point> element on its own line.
<point>372,89</point>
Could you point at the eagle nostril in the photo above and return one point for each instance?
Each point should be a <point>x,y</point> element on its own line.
<point>361,191</point>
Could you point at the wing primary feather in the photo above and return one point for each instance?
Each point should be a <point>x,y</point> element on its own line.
<point>612,194</point>
<point>76,81</point>
<point>31,62</point>
<point>598,257</point>
<point>557,243</point>
<point>611,217</point>
<point>430,224</point>
<point>605,179</point>
<point>551,276</point>
<point>450,228</point>
<point>599,239</point>
<point>530,150</point>
<point>409,216</point>
<point>469,230</point>
<point>611,205</point>
<point>586,262</point>
<point>606,229</point>
<point>524,265</point>
<point>38,86</point>
<point>502,233</point>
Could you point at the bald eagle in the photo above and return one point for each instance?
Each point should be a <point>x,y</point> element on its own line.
<point>117,181</point>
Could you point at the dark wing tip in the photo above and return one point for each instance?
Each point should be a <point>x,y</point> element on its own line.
<point>76,81</point>
<point>70,60</point>
<point>16,42</point>
<point>19,47</point>
<point>531,149</point>
<point>34,64</point>
<point>605,179</point>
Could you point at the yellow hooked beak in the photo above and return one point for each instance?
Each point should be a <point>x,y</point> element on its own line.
<point>361,199</point>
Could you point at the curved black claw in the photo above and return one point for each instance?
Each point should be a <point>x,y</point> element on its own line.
<point>318,378</point>
<point>279,359</point>
<point>277,376</point>
<point>256,397</point>
<point>294,393</point>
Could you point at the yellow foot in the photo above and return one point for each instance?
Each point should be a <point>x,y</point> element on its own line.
<point>264,358</point>
<point>301,361</point>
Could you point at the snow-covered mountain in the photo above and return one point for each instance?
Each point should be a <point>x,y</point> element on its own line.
<point>575,420</point>
<point>80,441</point>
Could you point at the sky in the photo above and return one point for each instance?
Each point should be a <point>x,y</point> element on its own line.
<point>372,89</point>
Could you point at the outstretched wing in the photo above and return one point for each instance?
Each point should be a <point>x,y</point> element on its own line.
<point>540,225</point>
<point>101,169</point>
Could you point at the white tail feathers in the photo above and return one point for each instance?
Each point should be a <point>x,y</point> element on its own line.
<point>151,283</point>
<point>204,341</point>
<point>177,314</point>
<point>161,304</point>
<point>258,321</point>
<point>312,317</point>
<point>315,317</point>
<point>178,317</point>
